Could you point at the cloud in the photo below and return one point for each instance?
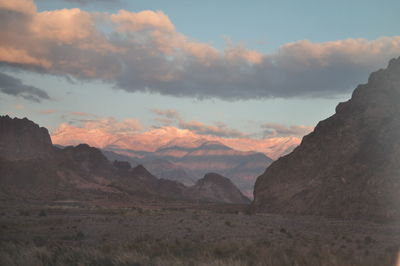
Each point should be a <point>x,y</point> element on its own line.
<point>278,130</point>
<point>170,117</point>
<point>143,51</point>
<point>112,125</point>
<point>166,117</point>
<point>19,106</point>
<point>48,112</point>
<point>85,2</point>
<point>168,113</point>
<point>133,22</point>
<point>220,129</point>
<point>20,6</point>
<point>80,114</point>
<point>13,86</point>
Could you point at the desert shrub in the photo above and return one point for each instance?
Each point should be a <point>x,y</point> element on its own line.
<point>368,240</point>
<point>248,211</point>
<point>39,241</point>
<point>24,213</point>
<point>228,223</point>
<point>80,235</point>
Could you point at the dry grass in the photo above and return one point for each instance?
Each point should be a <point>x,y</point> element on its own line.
<point>159,253</point>
<point>193,236</point>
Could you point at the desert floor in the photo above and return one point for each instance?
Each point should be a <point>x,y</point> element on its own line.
<point>177,233</point>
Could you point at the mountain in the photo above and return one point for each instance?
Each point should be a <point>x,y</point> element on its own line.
<point>241,167</point>
<point>188,163</point>
<point>216,188</point>
<point>166,136</point>
<point>32,168</point>
<point>23,139</point>
<point>113,156</point>
<point>168,170</point>
<point>160,167</point>
<point>140,182</point>
<point>348,167</point>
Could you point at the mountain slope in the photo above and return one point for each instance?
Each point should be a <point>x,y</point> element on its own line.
<point>349,166</point>
<point>187,163</point>
<point>38,170</point>
<point>216,188</point>
<point>113,156</point>
<point>168,170</point>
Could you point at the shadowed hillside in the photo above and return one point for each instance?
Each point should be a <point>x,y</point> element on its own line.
<point>349,166</point>
<point>30,167</point>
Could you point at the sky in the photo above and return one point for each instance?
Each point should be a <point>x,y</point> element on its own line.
<point>253,70</point>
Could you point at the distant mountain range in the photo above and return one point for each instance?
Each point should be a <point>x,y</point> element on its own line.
<point>183,156</point>
<point>188,162</point>
<point>32,168</point>
<point>156,138</point>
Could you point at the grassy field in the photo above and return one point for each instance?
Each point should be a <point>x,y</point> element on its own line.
<point>179,234</point>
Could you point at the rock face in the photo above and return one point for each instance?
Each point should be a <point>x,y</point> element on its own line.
<point>22,139</point>
<point>216,188</point>
<point>349,166</point>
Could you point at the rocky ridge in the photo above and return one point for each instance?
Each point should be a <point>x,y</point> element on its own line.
<point>348,167</point>
<point>31,167</point>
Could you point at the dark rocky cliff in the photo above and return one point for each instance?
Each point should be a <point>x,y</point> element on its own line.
<point>22,139</point>
<point>349,167</point>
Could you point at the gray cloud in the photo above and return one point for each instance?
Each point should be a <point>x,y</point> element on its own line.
<point>278,75</point>
<point>219,129</point>
<point>278,130</point>
<point>169,117</point>
<point>84,2</point>
<point>166,117</point>
<point>143,52</point>
<point>168,113</point>
<point>13,86</point>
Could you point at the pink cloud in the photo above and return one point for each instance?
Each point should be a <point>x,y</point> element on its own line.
<point>143,51</point>
<point>20,6</point>
<point>126,21</point>
<point>240,52</point>
<point>65,26</point>
<point>18,56</point>
<point>80,114</point>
